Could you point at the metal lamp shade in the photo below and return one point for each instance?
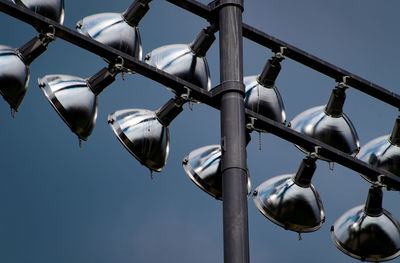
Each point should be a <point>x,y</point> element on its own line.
<point>265,101</point>
<point>289,205</point>
<point>14,77</point>
<point>52,9</point>
<point>203,168</point>
<point>367,238</point>
<point>142,135</point>
<point>180,61</point>
<point>382,154</point>
<point>73,100</point>
<point>112,30</point>
<point>337,132</point>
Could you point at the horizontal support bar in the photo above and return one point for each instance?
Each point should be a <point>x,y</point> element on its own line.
<point>386,179</point>
<point>299,55</point>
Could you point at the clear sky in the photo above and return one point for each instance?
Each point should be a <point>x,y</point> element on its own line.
<point>63,204</point>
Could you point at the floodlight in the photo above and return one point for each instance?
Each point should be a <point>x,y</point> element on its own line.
<point>262,96</point>
<point>145,133</point>
<point>75,99</point>
<point>116,30</point>
<point>329,124</point>
<point>291,200</point>
<point>14,68</point>
<point>368,232</point>
<point>52,9</point>
<point>383,152</point>
<point>187,62</point>
<point>203,166</point>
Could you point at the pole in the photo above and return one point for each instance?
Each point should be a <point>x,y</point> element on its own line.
<point>233,139</point>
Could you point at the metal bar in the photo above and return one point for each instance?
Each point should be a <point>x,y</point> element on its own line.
<point>300,56</point>
<point>387,180</point>
<point>322,66</point>
<point>194,7</point>
<point>233,134</point>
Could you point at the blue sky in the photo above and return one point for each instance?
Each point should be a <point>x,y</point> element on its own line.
<point>61,203</point>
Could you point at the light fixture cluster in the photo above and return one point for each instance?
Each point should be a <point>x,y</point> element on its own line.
<point>15,63</point>
<point>367,232</point>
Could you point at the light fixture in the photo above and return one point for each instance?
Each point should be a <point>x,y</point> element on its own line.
<point>75,99</point>
<point>368,232</point>
<point>14,68</point>
<point>116,30</point>
<point>145,133</point>
<point>262,96</point>
<point>329,124</point>
<point>52,9</point>
<point>291,200</point>
<point>383,152</point>
<point>187,62</point>
<point>203,166</point>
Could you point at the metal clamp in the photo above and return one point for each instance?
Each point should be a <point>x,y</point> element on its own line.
<point>343,83</point>
<point>219,3</point>
<point>48,36</point>
<point>250,126</point>
<point>227,86</point>
<point>281,54</point>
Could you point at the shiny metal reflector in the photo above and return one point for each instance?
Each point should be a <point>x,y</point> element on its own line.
<point>337,132</point>
<point>367,235</point>
<point>265,101</point>
<point>52,9</point>
<point>142,135</point>
<point>291,201</point>
<point>179,60</point>
<point>14,77</point>
<point>111,29</point>
<point>203,168</point>
<point>73,100</point>
<point>380,152</point>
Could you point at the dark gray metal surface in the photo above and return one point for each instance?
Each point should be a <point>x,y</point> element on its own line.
<point>233,135</point>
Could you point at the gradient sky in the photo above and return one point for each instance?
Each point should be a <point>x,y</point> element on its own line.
<point>60,203</point>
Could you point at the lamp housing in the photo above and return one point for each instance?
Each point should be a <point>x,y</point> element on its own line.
<point>187,62</point>
<point>383,152</point>
<point>14,76</point>
<point>368,232</point>
<point>338,132</point>
<point>291,200</point>
<point>142,134</point>
<point>265,101</point>
<point>52,9</point>
<point>203,166</point>
<point>75,99</point>
<point>112,30</point>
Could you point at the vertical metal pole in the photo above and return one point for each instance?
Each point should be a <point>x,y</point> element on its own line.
<point>233,136</point>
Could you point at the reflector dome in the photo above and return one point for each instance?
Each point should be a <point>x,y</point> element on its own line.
<point>337,132</point>
<point>367,238</point>
<point>52,9</point>
<point>180,61</point>
<point>289,205</point>
<point>142,135</point>
<point>73,100</point>
<point>265,101</point>
<point>112,30</point>
<point>382,154</point>
<point>203,168</point>
<point>14,77</point>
